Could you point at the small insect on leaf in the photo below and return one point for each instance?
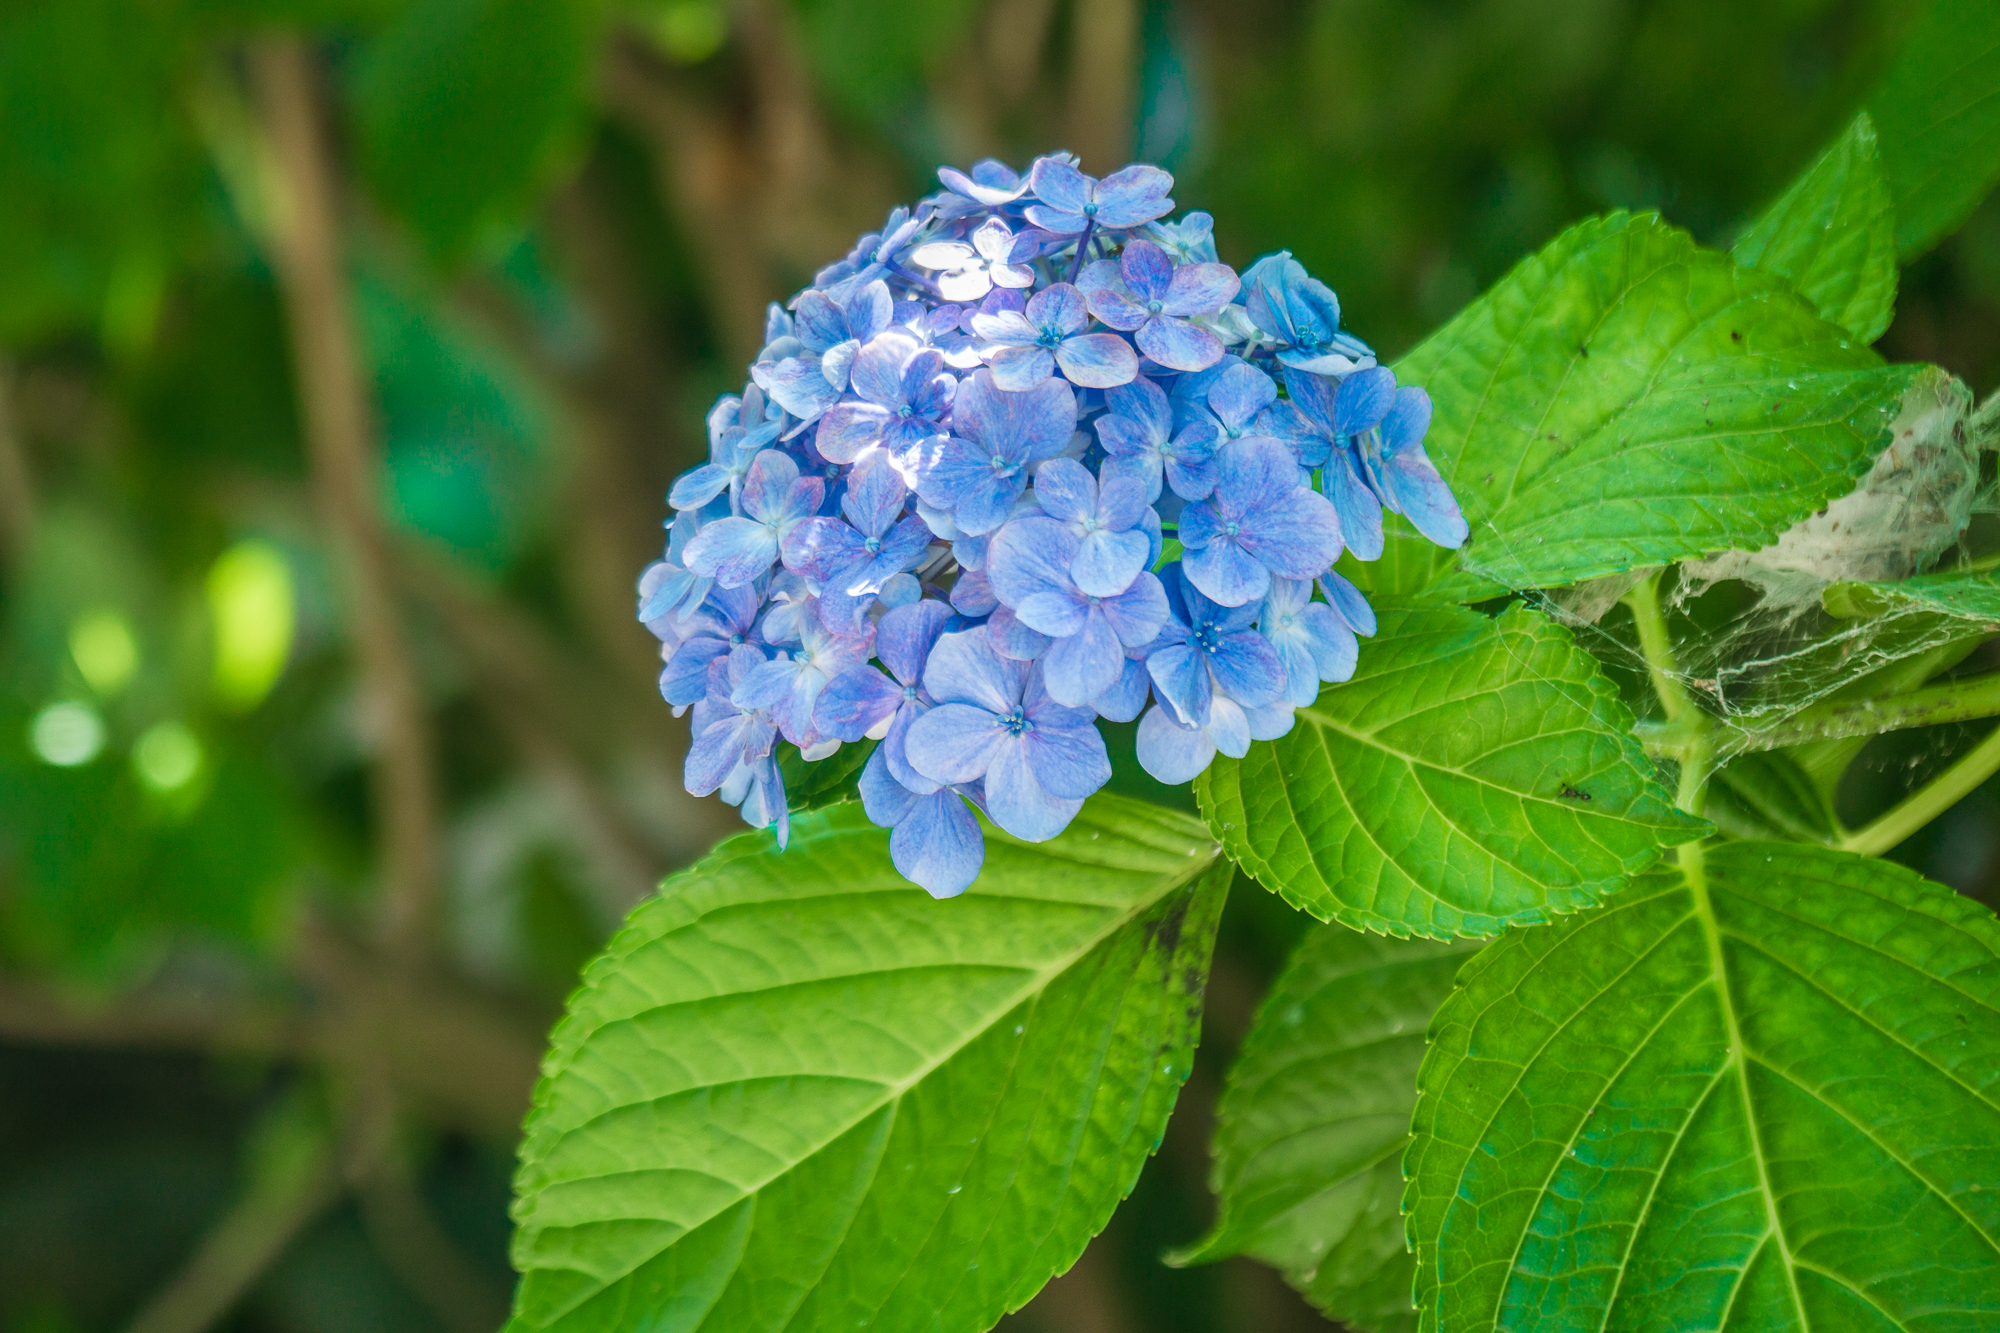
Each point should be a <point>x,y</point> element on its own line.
<point>1570,793</point>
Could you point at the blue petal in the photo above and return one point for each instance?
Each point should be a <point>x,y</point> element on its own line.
<point>1240,393</point>
<point>1019,803</point>
<point>1227,573</point>
<point>1077,669</point>
<point>694,489</point>
<point>1348,603</point>
<point>1171,752</point>
<point>1358,507</point>
<point>955,742</point>
<point>886,801</point>
<point>1362,400</point>
<point>1178,345</point>
<point>1069,762</point>
<point>1298,537</point>
<point>1181,680</point>
<point>1122,702</point>
<point>854,703</point>
<point>732,551</point>
<point>905,636</point>
<point>1019,369</point>
<point>1200,289</point>
<point>819,548</point>
<point>1097,360</point>
<point>1247,667</point>
<point>1013,640</point>
<point>1066,490</point>
<point>849,428</point>
<point>1060,185</point>
<point>1105,563</point>
<point>1133,195</point>
<point>963,668</point>
<point>1423,496</point>
<point>938,846</point>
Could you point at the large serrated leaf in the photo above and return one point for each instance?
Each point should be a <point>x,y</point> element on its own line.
<point>1833,234</point>
<point>1761,1092</point>
<point>797,1093</point>
<point>1473,774</point>
<point>1938,112</point>
<point>1625,398</point>
<point>1315,1116</point>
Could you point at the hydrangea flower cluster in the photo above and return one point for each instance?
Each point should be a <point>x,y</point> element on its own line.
<point>1028,457</point>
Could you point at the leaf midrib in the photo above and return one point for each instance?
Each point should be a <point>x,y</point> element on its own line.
<point>1039,980</point>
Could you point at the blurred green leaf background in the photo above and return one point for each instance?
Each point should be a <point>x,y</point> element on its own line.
<point>316,786</point>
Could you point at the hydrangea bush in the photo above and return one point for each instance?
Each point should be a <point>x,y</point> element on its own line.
<point>1617,1021</point>
<point>1028,457</point>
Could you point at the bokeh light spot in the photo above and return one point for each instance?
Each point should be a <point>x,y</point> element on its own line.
<point>67,734</point>
<point>105,649</point>
<point>252,608</point>
<point>167,757</point>
<point>690,31</point>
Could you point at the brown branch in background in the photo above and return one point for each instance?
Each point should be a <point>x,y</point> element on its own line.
<point>17,491</point>
<point>339,437</point>
<point>1103,75</point>
<point>294,1184</point>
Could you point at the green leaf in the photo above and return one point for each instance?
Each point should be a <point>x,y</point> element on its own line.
<point>1765,794</point>
<point>1625,398</point>
<point>1938,112</point>
<point>1762,1092</point>
<point>1973,597</point>
<point>796,1093</point>
<point>1833,234</point>
<point>808,786</point>
<point>1412,567</point>
<point>467,108</point>
<point>1315,1117</point>
<point>1473,774</point>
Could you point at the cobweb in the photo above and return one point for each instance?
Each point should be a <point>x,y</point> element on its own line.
<point>1754,646</point>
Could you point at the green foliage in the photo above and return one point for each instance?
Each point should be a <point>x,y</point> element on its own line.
<point>1315,1118</point>
<point>797,1093</point>
<point>1833,234</point>
<point>1473,774</point>
<point>466,109</point>
<point>100,186</point>
<point>833,779</point>
<point>873,57</point>
<point>1755,1091</point>
<point>1973,597</point>
<point>1625,398</point>
<point>1940,121</point>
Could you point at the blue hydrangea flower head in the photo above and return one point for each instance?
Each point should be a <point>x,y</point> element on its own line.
<point>935,519</point>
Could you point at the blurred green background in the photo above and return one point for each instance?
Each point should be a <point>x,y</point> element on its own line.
<point>329,748</point>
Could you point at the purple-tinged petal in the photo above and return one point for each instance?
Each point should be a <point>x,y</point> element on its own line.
<point>1066,490</point>
<point>1120,504</point>
<point>875,497</point>
<point>1023,427</point>
<point>1239,393</point>
<point>684,681</point>
<point>1019,369</point>
<point>1413,482</point>
<point>732,551</point>
<point>820,323</point>
<point>989,503</point>
<point>1254,474</point>
<point>1138,614</point>
<point>1199,289</point>
<point>1172,752</point>
<point>1359,508</point>
<point>1229,728</point>
<point>870,311</point>
<point>1078,668</point>
<point>1181,680</point>
<point>854,703</point>
<point>972,594</point>
<point>955,742</point>
<point>1124,700</point>
<point>1145,404</point>
<point>1013,640</point>
<point>1227,573</point>
<point>1059,307</point>
<point>1133,195</point>
<point>895,746</point>
<point>1105,563</point>
<point>1051,220</point>
<point>1407,422</point>
<point>1064,749</point>
<point>1178,345</point>
<point>1248,669</point>
<point>1008,327</point>
<point>1097,360</point>
<point>818,548</point>
<point>905,636</point>
<point>1017,801</point>
<point>1118,310</point>
<point>886,801</point>
<point>938,846</point>
<point>963,668</point>
<point>1361,401</point>
<point>798,386</point>
<point>1030,558</point>
<point>1147,271</point>
<point>1060,185</point>
<point>1348,603</point>
<point>848,429</point>
<point>877,372</point>
<point>1298,537</point>
<point>694,489</point>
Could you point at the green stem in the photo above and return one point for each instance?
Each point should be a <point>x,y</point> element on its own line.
<point>1695,747</point>
<point>1930,801</point>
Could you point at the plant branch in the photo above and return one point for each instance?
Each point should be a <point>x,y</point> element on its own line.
<point>17,491</point>
<point>1929,801</point>
<point>292,1182</point>
<point>333,398</point>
